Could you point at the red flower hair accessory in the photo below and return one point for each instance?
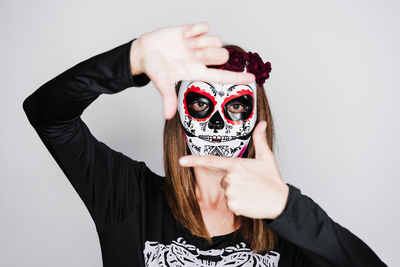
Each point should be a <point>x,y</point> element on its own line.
<point>252,62</point>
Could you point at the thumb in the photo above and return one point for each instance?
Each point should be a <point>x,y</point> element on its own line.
<point>170,103</point>
<point>260,141</point>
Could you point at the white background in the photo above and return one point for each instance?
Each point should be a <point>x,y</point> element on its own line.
<point>333,90</point>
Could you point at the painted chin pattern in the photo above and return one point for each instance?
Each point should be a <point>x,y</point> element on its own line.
<point>217,138</point>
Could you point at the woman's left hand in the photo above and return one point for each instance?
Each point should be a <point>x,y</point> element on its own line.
<point>253,187</point>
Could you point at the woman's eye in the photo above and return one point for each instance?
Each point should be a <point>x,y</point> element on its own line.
<point>198,106</point>
<point>236,108</point>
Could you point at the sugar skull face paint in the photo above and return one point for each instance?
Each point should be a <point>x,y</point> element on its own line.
<point>218,119</point>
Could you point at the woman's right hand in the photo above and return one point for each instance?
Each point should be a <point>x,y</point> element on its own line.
<point>165,55</point>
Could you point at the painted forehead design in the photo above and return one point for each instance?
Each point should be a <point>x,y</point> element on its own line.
<point>218,89</point>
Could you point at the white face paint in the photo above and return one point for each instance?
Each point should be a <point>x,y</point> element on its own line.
<point>218,119</point>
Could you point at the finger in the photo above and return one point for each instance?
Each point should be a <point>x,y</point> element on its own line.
<point>170,103</point>
<point>208,161</point>
<point>205,41</point>
<point>196,29</point>
<point>227,77</point>
<point>212,55</point>
<point>261,146</point>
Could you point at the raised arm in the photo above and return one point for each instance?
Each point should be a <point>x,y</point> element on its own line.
<point>66,96</point>
<point>254,188</point>
<point>101,176</point>
<point>324,242</point>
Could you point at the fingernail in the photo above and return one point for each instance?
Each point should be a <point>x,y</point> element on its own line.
<point>183,161</point>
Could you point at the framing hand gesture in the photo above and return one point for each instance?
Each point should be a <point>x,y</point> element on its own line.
<point>169,55</point>
<point>253,187</point>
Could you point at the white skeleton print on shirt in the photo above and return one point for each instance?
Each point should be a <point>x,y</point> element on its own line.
<point>179,253</point>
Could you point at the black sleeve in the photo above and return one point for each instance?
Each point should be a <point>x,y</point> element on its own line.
<point>322,241</point>
<point>106,180</point>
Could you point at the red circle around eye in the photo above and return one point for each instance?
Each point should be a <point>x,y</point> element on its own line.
<point>201,91</point>
<point>238,94</point>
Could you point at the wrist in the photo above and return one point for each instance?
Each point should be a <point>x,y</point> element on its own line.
<point>284,199</point>
<point>135,57</point>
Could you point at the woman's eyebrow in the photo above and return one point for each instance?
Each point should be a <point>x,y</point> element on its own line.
<point>233,86</point>
<point>210,85</point>
<point>201,82</point>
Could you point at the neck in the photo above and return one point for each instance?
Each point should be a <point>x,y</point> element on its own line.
<point>208,189</point>
<point>210,195</point>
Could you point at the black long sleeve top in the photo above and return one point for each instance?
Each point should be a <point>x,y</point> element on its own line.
<point>126,201</point>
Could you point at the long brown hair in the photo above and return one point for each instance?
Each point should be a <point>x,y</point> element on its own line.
<point>179,186</point>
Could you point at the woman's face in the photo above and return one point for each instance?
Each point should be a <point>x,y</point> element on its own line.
<point>218,119</point>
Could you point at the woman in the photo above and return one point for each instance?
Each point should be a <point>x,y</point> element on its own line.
<point>232,209</point>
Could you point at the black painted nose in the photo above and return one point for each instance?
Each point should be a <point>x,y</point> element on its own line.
<point>216,122</point>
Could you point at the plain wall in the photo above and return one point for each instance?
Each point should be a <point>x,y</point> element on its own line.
<point>333,90</point>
